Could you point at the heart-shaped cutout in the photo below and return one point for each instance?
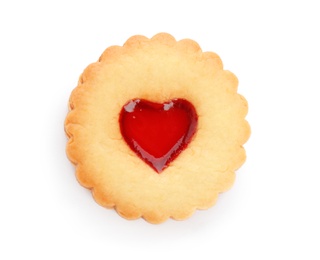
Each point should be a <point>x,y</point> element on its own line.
<point>158,133</point>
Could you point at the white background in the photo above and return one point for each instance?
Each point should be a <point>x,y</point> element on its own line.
<point>272,211</point>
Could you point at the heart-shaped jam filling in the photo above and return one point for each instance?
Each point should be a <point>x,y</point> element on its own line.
<point>158,133</point>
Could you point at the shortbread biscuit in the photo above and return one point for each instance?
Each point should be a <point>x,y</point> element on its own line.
<point>188,107</point>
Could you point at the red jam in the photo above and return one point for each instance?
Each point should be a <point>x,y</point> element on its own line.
<point>158,133</point>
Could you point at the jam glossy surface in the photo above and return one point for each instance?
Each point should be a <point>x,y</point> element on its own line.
<point>156,132</point>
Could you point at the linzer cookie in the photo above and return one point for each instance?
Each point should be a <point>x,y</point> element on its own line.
<point>156,128</point>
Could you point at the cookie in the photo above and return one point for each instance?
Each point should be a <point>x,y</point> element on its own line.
<point>156,128</point>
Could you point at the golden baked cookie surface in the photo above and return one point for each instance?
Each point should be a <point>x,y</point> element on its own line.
<point>159,69</point>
